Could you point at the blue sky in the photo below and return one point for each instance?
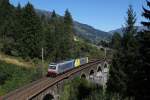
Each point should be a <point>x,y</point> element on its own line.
<point>101,14</point>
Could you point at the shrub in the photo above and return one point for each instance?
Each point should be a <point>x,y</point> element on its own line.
<point>13,77</point>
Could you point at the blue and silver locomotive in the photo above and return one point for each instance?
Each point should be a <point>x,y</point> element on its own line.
<point>57,68</point>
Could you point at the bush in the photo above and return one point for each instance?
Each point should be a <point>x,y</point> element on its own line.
<point>82,49</point>
<point>79,89</point>
<point>13,77</point>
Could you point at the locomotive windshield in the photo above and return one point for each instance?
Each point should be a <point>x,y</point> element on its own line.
<point>52,67</point>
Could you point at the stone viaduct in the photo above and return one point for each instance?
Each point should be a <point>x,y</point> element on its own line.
<point>50,89</point>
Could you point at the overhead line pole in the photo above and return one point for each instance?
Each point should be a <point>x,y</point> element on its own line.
<point>42,61</point>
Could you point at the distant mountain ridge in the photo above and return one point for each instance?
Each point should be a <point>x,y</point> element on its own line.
<point>120,30</point>
<point>82,30</point>
<point>91,33</point>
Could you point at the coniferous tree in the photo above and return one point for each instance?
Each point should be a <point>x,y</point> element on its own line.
<point>143,73</point>
<point>18,30</point>
<point>116,73</point>
<point>124,62</point>
<point>7,25</point>
<point>60,39</point>
<point>57,35</point>
<point>51,44</point>
<point>31,35</point>
<point>116,83</point>
<point>116,41</point>
<point>130,52</point>
<point>68,35</point>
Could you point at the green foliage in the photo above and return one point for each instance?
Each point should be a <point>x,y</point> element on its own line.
<point>129,73</point>
<point>24,33</point>
<point>13,77</point>
<point>20,30</point>
<point>7,25</point>
<point>143,71</point>
<point>30,37</point>
<point>116,41</point>
<point>53,34</point>
<point>59,40</point>
<point>80,89</point>
<point>68,35</point>
<point>124,63</point>
<point>82,49</point>
<point>104,43</point>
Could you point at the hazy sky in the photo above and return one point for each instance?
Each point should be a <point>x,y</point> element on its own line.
<point>101,14</point>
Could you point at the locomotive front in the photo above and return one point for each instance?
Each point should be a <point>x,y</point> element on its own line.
<point>52,70</point>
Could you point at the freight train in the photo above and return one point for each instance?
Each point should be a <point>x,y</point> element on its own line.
<point>55,69</point>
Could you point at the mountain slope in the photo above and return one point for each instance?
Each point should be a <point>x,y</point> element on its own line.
<point>120,30</point>
<point>90,33</point>
<point>82,30</point>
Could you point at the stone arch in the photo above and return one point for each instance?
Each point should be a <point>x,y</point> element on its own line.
<point>83,76</point>
<point>99,68</point>
<point>91,74</point>
<point>106,67</point>
<point>48,97</point>
<point>99,73</point>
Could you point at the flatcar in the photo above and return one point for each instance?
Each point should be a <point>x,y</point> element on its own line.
<point>55,69</point>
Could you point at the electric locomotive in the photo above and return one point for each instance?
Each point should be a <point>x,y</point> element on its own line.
<point>57,68</point>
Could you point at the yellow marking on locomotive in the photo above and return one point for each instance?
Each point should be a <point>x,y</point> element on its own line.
<point>87,59</point>
<point>77,62</point>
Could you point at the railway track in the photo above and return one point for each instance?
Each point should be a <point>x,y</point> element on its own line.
<point>31,90</point>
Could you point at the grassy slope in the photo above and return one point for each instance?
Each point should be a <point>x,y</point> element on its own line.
<point>14,60</point>
<point>13,77</point>
<point>16,72</point>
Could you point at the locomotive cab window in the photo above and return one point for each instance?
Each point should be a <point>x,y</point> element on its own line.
<point>52,67</point>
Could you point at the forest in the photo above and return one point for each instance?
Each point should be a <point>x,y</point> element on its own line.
<point>129,74</point>
<point>23,34</point>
